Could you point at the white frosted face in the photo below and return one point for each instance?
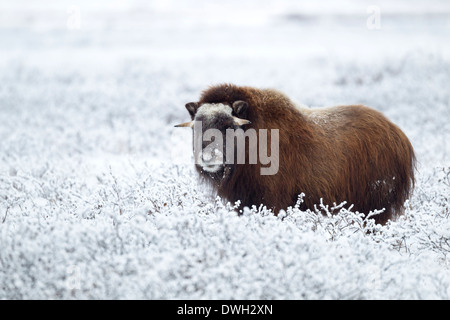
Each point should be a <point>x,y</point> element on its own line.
<point>212,124</point>
<point>215,118</point>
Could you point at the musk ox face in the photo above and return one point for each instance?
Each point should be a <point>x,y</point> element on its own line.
<point>210,123</point>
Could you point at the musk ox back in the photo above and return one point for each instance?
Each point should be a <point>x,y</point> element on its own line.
<point>345,153</point>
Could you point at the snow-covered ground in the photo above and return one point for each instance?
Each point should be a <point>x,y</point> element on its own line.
<point>98,196</point>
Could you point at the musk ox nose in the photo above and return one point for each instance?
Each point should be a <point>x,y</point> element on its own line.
<point>212,156</point>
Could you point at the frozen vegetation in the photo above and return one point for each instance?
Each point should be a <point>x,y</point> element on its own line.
<point>98,194</point>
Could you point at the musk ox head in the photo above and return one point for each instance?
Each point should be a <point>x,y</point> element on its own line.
<point>211,122</point>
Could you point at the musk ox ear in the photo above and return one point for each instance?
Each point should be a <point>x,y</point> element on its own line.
<point>192,108</point>
<point>240,108</point>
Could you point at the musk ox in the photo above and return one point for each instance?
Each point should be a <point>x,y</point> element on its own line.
<point>344,153</point>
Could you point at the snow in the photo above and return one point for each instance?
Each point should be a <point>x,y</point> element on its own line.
<point>98,195</point>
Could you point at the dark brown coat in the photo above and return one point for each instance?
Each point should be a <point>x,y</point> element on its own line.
<point>345,153</point>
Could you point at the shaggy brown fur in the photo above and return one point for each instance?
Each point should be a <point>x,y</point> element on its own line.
<point>345,153</point>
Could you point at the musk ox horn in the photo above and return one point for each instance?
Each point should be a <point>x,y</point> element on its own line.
<point>240,122</point>
<point>189,124</point>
